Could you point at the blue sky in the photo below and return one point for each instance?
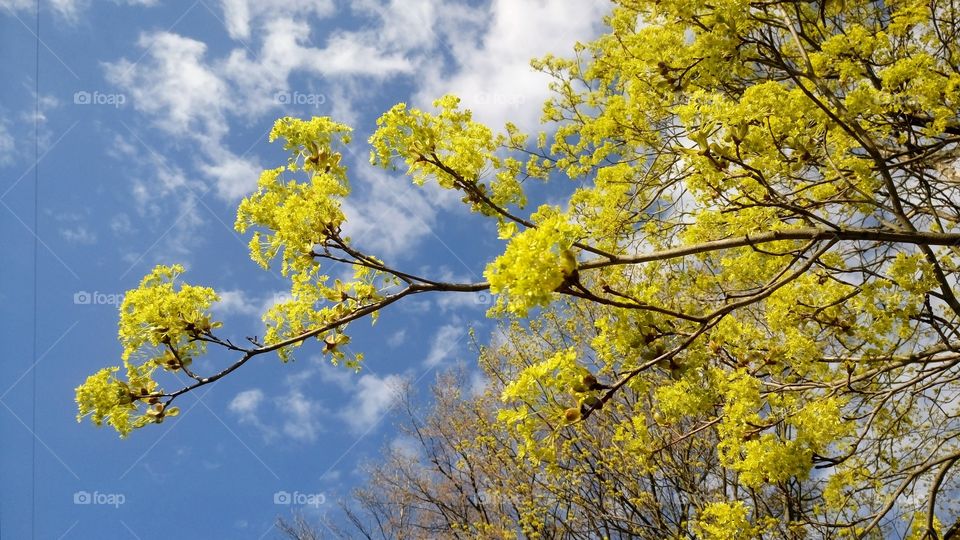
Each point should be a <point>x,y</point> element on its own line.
<point>149,119</point>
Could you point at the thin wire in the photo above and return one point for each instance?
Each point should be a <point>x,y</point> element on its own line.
<point>36,279</point>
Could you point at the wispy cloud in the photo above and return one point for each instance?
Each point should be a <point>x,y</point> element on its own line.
<point>297,416</point>
<point>445,343</point>
<point>492,73</point>
<point>197,97</point>
<point>78,234</point>
<point>246,405</point>
<point>240,15</point>
<point>373,396</point>
<point>397,338</point>
<point>7,145</point>
<point>301,416</point>
<point>238,302</point>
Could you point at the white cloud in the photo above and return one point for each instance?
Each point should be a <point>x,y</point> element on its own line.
<point>373,397</point>
<point>286,48</point>
<point>343,378</point>
<point>157,176</point>
<point>499,336</point>
<point>237,17</point>
<point>238,302</point>
<point>165,177</point>
<point>381,225</point>
<point>73,229</point>
<point>397,338</point>
<point>444,344</point>
<point>47,103</point>
<point>392,216</point>
<point>406,447</point>
<point>183,96</point>
<point>494,77</point>
<point>470,300</point>
<point>370,396</point>
<point>481,53</point>
<point>234,176</point>
<point>408,24</point>
<point>246,405</point>
<point>193,98</point>
<point>7,146</point>
<point>173,84</point>
<point>154,177</point>
<point>235,302</point>
<point>68,9</point>
<point>121,224</point>
<point>240,15</point>
<point>30,116</point>
<point>178,238</point>
<point>16,5</point>
<point>351,53</point>
<point>301,416</point>
<point>78,234</point>
<point>341,101</point>
<point>411,25</point>
<point>416,306</point>
<point>478,382</point>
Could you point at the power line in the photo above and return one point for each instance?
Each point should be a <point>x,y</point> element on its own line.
<point>36,279</point>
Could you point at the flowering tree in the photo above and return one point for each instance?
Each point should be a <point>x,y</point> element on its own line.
<point>461,475</point>
<point>764,232</point>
